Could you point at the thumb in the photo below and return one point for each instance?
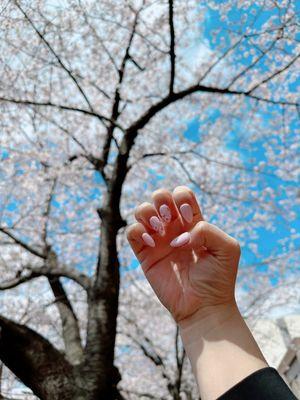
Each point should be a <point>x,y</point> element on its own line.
<point>214,240</point>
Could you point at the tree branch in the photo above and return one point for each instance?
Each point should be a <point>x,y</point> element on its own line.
<point>179,362</point>
<point>172,47</point>
<point>149,352</point>
<point>48,272</point>
<point>59,107</point>
<point>245,70</point>
<point>215,193</point>
<point>34,360</point>
<point>206,158</point>
<point>115,108</point>
<point>46,215</point>
<point>69,321</point>
<point>22,243</point>
<point>121,167</point>
<point>85,16</point>
<point>278,72</point>
<point>220,58</point>
<point>264,295</point>
<point>53,52</point>
<point>198,88</point>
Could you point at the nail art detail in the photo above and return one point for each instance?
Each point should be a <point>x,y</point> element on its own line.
<point>148,239</point>
<point>186,212</point>
<point>157,225</point>
<point>165,213</point>
<point>181,240</point>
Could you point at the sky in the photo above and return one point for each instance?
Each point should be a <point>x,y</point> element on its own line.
<point>267,241</point>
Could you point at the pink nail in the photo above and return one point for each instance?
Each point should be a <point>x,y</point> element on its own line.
<point>181,240</point>
<point>186,212</point>
<point>165,213</point>
<point>157,225</point>
<point>148,239</point>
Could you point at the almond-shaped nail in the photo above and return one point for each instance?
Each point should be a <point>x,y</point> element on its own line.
<point>157,225</point>
<point>148,239</point>
<point>165,213</point>
<point>181,240</point>
<point>187,212</point>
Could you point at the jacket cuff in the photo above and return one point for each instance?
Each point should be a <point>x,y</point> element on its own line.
<point>264,384</point>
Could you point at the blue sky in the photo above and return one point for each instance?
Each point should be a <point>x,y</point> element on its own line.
<point>267,241</point>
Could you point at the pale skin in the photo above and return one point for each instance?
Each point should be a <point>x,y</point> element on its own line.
<point>192,267</point>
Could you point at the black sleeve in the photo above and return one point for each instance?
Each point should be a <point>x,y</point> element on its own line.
<point>264,384</point>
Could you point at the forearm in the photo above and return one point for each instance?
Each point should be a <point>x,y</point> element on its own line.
<point>221,349</point>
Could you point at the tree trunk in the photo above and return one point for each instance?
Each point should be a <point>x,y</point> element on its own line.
<point>101,377</point>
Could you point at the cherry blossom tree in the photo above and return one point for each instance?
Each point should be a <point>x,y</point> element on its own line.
<point>97,99</point>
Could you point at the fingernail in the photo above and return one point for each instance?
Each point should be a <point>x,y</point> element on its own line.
<point>165,213</point>
<point>148,239</point>
<point>157,225</point>
<point>186,212</point>
<point>181,240</point>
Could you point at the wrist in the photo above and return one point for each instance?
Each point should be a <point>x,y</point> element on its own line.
<point>220,347</point>
<point>206,321</point>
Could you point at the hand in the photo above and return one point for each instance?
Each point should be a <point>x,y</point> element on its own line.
<point>190,264</point>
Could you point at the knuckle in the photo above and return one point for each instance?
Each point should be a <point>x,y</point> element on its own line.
<point>160,192</point>
<point>142,207</point>
<point>183,189</point>
<point>235,245</point>
<point>131,229</point>
<point>203,225</point>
